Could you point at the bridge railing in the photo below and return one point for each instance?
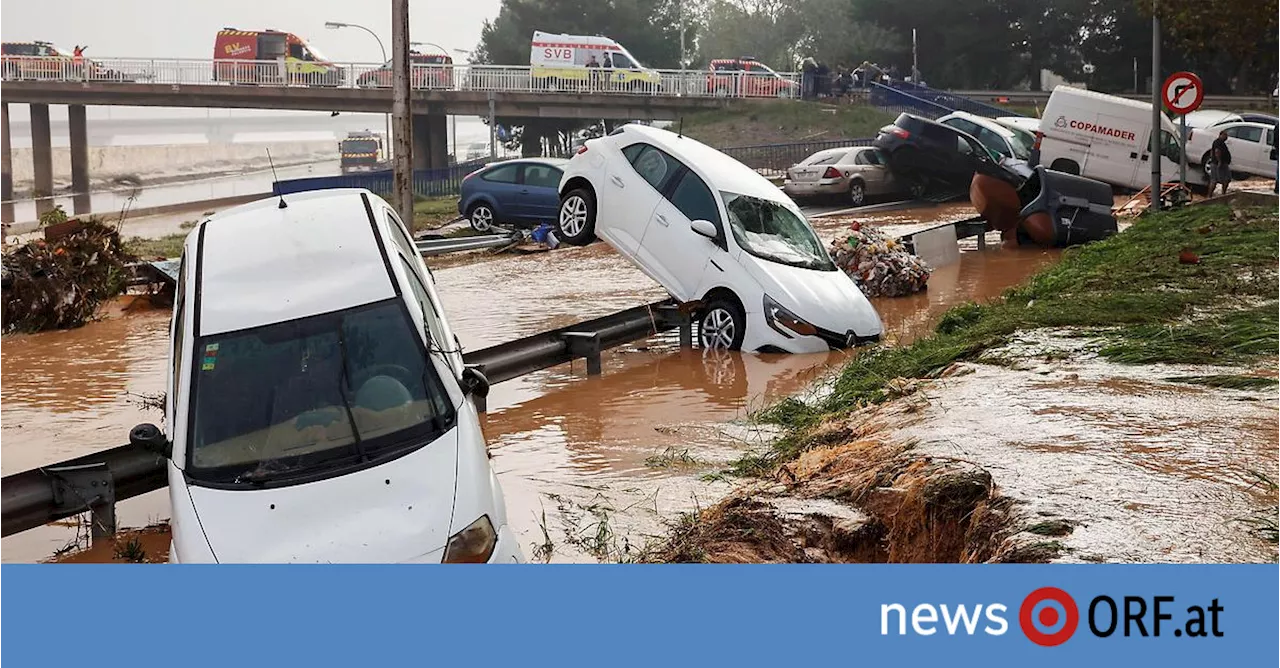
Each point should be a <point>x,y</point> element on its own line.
<point>496,78</point>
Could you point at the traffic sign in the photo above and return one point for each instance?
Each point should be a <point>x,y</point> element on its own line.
<point>1183,92</point>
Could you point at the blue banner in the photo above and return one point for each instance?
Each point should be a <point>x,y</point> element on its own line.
<point>1069,615</point>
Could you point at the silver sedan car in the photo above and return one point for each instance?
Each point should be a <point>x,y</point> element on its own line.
<point>854,174</point>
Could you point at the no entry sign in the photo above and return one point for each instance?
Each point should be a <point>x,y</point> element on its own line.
<point>1183,92</point>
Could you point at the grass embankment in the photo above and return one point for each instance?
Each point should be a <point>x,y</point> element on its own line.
<point>1132,290</point>
<point>752,122</point>
<point>1194,286</point>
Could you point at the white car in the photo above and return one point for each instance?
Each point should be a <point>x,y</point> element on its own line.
<point>1026,123</point>
<point>1252,146</point>
<point>1205,118</point>
<point>318,406</point>
<point>719,237</point>
<point>1013,145</point>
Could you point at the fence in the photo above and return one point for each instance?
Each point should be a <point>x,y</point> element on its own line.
<point>426,182</point>
<point>496,78</point>
<point>774,159</point>
<point>952,101</point>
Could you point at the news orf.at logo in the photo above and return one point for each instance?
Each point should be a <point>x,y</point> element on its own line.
<point>1048,616</point>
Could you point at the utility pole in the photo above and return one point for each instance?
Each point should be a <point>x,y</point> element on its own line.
<point>915,61</point>
<point>493,130</point>
<point>1155,105</point>
<point>401,113</point>
<point>680,5</point>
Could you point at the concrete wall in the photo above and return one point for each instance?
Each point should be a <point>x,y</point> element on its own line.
<point>149,162</point>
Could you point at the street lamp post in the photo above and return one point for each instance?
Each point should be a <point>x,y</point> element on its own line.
<point>334,25</point>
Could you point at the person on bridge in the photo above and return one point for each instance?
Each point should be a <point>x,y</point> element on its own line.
<point>1220,159</point>
<point>594,75</point>
<point>77,60</point>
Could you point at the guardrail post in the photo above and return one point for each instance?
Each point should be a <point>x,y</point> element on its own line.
<point>86,487</point>
<point>587,345</point>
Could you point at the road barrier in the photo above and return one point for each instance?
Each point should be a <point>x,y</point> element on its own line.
<point>426,182</point>
<point>775,159</point>
<point>95,482</point>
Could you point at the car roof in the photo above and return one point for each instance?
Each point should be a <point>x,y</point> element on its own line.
<point>988,123</point>
<point>554,162</point>
<point>719,170</point>
<point>260,264</point>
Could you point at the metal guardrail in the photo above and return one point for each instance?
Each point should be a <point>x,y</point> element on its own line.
<point>496,78</point>
<point>426,182</point>
<point>429,247</point>
<point>775,159</point>
<point>96,481</point>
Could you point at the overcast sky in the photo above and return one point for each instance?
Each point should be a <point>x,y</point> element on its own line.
<point>186,28</point>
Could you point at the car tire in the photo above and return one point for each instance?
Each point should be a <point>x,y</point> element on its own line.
<point>480,215</point>
<point>857,193</point>
<point>576,218</point>
<point>917,187</point>
<point>722,324</point>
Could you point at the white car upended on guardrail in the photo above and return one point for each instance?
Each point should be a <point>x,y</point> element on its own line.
<point>716,235</point>
<point>318,405</point>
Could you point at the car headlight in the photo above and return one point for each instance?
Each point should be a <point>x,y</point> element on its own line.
<point>785,322</point>
<point>472,545</point>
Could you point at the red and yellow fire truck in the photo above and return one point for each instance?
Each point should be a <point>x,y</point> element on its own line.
<point>430,70</point>
<point>271,57</point>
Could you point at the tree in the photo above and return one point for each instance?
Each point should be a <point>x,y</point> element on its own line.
<point>649,29</point>
<point>1232,37</point>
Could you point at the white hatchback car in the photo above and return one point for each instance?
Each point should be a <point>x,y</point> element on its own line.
<point>716,235</point>
<point>317,402</point>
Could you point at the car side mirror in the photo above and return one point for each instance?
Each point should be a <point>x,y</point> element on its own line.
<point>704,227</point>
<point>473,382</point>
<point>150,438</point>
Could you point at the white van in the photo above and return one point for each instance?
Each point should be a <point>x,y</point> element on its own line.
<point>1107,138</point>
<point>317,403</point>
<point>557,60</point>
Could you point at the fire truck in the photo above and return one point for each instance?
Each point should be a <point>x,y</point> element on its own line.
<point>430,70</point>
<point>271,57</point>
<point>361,152</point>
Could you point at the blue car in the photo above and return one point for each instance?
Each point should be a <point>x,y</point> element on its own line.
<point>521,192</point>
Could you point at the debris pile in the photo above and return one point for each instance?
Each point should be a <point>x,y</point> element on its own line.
<point>60,283</point>
<point>881,266</point>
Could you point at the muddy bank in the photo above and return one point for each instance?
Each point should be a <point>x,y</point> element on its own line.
<point>1075,419</point>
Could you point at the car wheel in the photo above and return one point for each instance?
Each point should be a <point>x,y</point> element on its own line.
<point>481,217</point>
<point>577,219</point>
<point>857,193</point>
<point>917,187</point>
<point>722,325</point>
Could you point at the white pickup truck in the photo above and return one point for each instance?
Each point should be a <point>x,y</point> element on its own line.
<point>1252,146</point>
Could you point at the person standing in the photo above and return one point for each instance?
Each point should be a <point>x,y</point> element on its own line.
<point>608,70</point>
<point>77,61</point>
<point>1220,159</point>
<point>594,75</point>
<point>808,72</point>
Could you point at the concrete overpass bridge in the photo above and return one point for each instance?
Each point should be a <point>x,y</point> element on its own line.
<point>439,92</point>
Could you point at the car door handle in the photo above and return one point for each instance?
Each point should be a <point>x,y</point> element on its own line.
<point>524,191</point>
<point>1133,155</point>
<point>618,182</point>
<point>662,220</point>
<point>1145,158</point>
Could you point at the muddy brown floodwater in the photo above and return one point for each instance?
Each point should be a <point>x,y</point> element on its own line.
<point>590,466</point>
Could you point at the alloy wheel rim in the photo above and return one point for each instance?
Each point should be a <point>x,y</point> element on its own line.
<point>857,193</point>
<point>482,219</point>
<point>573,216</point>
<point>717,329</point>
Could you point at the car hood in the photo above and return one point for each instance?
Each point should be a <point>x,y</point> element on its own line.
<point>826,299</point>
<point>393,512</point>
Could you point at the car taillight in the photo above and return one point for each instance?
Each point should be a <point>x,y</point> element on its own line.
<point>899,132</point>
<point>831,173</point>
<point>582,149</point>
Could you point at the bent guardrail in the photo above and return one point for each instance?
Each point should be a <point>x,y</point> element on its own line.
<point>95,482</point>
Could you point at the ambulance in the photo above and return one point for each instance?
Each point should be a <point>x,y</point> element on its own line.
<point>270,57</point>
<point>1106,138</point>
<point>560,61</point>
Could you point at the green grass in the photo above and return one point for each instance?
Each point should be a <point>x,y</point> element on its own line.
<point>1228,381</point>
<point>751,122</point>
<point>167,247</point>
<point>1130,291</point>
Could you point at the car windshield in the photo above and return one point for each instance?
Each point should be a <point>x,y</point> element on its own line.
<point>360,146</point>
<point>307,396</point>
<point>1022,143</point>
<point>771,231</point>
<point>315,54</point>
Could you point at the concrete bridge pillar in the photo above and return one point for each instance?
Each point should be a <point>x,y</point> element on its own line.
<point>430,141</point>
<point>77,126</point>
<point>42,157</point>
<point>6,166</point>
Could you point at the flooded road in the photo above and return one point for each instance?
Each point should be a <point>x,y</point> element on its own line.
<point>589,465</point>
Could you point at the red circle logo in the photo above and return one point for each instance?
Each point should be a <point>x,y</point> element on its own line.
<point>1048,616</point>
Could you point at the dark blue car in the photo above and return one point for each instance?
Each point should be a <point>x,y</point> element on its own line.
<point>521,192</point>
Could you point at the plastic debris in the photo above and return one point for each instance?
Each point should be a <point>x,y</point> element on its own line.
<point>881,266</point>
